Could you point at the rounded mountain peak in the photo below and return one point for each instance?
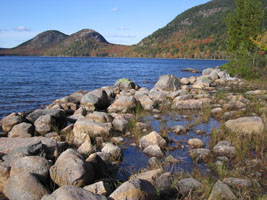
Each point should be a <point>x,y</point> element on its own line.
<point>89,33</point>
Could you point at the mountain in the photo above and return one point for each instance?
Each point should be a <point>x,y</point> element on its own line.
<point>199,32</point>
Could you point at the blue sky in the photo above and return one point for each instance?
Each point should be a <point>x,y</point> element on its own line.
<point>119,21</point>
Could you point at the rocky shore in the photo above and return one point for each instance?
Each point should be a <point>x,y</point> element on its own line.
<point>72,148</point>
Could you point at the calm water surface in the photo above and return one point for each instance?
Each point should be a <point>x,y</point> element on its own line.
<point>29,82</point>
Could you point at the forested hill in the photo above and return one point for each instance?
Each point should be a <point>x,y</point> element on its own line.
<point>199,32</point>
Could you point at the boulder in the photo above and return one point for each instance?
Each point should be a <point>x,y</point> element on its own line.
<point>246,125</point>
<point>101,117</point>
<point>100,168</point>
<point>237,182</point>
<point>4,176</point>
<point>207,71</point>
<point>168,83</point>
<point>120,123</point>
<point>95,100</point>
<point>178,129</point>
<point>35,165</point>
<point>187,185</point>
<point>71,169</point>
<point>24,186</point>
<point>101,187</point>
<point>184,81</point>
<point>44,124</point>
<point>199,154</point>
<point>195,143</point>
<point>29,146</point>
<point>9,121</point>
<point>77,96</point>
<point>57,114</point>
<point>85,128</point>
<point>21,130</point>
<point>69,192</point>
<point>146,102</point>
<point>153,150</point>
<point>123,103</point>
<point>164,181</point>
<point>151,139</point>
<point>221,191</point>
<point>149,176</point>
<point>113,150</point>
<point>190,70</point>
<point>224,148</point>
<point>135,190</point>
<point>171,159</point>
<point>191,104</point>
<point>126,84</point>
<point>86,148</point>
<point>202,82</point>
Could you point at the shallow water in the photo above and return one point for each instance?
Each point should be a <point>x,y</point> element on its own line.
<point>29,82</point>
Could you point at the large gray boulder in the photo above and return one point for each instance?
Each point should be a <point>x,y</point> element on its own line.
<point>123,103</point>
<point>152,138</point>
<point>21,130</point>
<point>71,169</point>
<point>35,165</point>
<point>44,124</point>
<point>246,125</point>
<point>24,186</point>
<point>221,191</point>
<point>168,83</point>
<point>95,100</point>
<point>70,192</point>
<point>57,114</point>
<point>136,189</point>
<point>158,95</point>
<point>9,121</point>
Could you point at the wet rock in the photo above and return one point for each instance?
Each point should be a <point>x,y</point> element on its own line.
<point>123,103</point>
<point>21,130</point>
<point>202,82</point>
<point>71,169</point>
<point>84,129</point>
<point>199,154</point>
<point>153,150</point>
<point>178,129</point>
<point>152,138</point>
<point>216,111</point>
<point>168,83</point>
<point>190,70</point>
<point>95,100</point>
<point>101,117</point>
<point>126,84</point>
<point>154,162</point>
<point>102,188</point>
<point>195,143</point>
<point>187,185</point>
<point>4,176</point>
<point>246,125</point>
<point>44,124</point>
<point>224,148</point>
<point>9,121</point>
<point>24,186</point>
<point>171,159</point>
<point>135,189</point>
<point>113,150</point>
<point>164,181</point>
<point>221,191</point>
<point>190,104</point>
<point>35,165</point>
<point>70,192</point>
<point>29,146</point>
<point>117,140</point>
<point>149,176</point>
<point>237,182</point>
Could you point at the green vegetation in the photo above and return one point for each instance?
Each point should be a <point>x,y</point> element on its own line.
<point>244,40</point>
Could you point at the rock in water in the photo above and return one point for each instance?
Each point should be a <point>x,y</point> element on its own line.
<point>168,83</point>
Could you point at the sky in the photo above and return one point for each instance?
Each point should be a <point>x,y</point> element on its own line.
<point>119,21</point>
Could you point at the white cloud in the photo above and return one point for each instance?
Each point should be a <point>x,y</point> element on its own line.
<point>123,28</point>
<point>22,29</point>
<point>120,36</point>
<point>115,9</point>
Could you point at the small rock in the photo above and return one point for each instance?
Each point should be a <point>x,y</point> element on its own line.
<point>86,148</point>
<point>178,129</point>
<point>44,124</point>
<point>151,139</point>
<point>153,150</point>
<point>123,103</point>
<point>237,182</point>
<point>101,188</point>
<point>199,154</point>
<point>9,121</point>
<point>154,162</point>
<point>164,181</point>
<point>224,148</point>
<point>113,150</point>
<point>195,143</point>
<point>188,184</point>
<point>150,175</point>
<point>171,159</point>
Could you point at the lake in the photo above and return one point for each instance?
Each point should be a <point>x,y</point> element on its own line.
<point>29,82</point>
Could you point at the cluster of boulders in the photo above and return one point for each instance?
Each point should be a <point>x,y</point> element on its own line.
<point>68,150</point>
